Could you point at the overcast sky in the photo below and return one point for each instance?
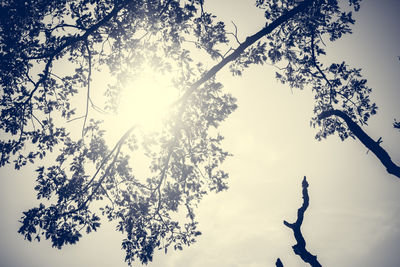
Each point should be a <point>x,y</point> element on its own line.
<point>354,213</point>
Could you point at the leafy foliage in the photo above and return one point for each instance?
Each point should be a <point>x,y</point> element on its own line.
<point>297,45</point>
<point>123,36</point>
<point>37,105</point>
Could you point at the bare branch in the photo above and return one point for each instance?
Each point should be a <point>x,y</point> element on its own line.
<point>367,141</point>
<point>278,263</point>
<point>300,247</point>
<point>77,118</point>
<point>234,34</point>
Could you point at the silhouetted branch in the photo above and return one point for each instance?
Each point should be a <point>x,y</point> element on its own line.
<point>372,145</point>
<point>278,263</point>
<point>42,79</point>
<point>235,34</point>
<point>243,46</point>
<point>300,247</point>
<point>316,64</point>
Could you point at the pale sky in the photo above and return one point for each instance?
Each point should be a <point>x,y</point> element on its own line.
<point>354,213</point>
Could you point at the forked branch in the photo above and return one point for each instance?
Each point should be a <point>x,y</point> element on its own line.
<point>300,247</point>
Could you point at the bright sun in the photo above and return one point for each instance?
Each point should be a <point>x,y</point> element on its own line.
<point>145,101</point>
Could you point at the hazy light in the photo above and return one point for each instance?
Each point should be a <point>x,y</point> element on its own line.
<point>145,101</point>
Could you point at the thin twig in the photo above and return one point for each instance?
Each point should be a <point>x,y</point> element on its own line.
<point>77,118</point>
<point>315,62</point>
<point>235,33</point>
<point>88,88</point>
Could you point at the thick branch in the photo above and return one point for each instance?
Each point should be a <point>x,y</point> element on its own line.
<point>372,145</point>
<point>300,247</point>
<point>248,42</point>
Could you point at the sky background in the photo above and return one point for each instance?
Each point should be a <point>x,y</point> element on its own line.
<point>354,213</point>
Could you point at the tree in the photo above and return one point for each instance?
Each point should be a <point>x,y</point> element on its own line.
<point>126,35</point>
<point>28,108</point>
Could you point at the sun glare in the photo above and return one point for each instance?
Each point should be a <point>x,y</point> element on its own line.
<point>145,101</point>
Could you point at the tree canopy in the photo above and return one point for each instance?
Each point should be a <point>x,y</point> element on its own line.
<point>49,53</point>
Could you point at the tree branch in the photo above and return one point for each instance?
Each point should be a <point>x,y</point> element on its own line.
<point>278,263</point>
<point>300,247</point>
<point>70,40</point>
<point>367,141</point>
<point>234,34</point>
<point>315,62</point>
<point>243,46</point>
<point>42,79</point>
<point>116,149</point>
